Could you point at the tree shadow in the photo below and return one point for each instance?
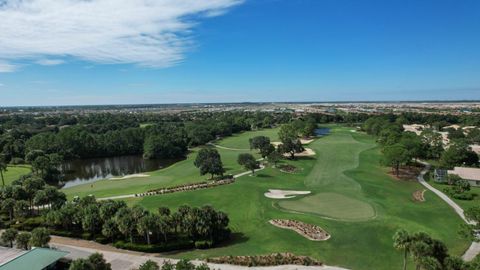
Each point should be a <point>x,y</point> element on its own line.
<point>235,238</point>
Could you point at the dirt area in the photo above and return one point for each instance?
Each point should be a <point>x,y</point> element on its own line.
<point>284,194</point>
<point>287,168</point>
<point>418,196</point>
<point>407,173</point>
<point>309,231</point>
<point>307,153</point>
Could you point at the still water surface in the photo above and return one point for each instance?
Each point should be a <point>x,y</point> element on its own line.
<point>81,171</point>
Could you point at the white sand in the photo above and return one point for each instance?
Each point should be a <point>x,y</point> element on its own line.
<point>130,176</point>
<point>306,153</point>
<point>306,141</point>
<point>302,141</point>
<point>284,194</point>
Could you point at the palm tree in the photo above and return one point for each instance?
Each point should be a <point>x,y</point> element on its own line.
<point>8,205</point>
<point>429,263</point>
<point>9,235</point>
<point>402,241</point>
<point>3,168</point>
<point>146,224</point>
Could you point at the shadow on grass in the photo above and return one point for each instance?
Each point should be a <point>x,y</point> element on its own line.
<point>262,175</point>
<point>235,238</point>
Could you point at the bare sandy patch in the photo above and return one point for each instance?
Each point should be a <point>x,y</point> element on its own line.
<point>302,141</point>
<point>306,141</point>
<point>309,231</point>
<point>419,195</point>
<point>306,153</point>
<point>284,194</point>
<point>136,175</point>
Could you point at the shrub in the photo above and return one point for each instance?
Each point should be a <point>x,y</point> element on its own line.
<point>464,196</point>
<point>86,236</point>
<point>154,248</point>
<point>101,239</point>
<point>204,244</point>
<point>17,161</point>
<point>29,224</point>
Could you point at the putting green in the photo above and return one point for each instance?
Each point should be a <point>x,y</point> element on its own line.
<point>331,205</point>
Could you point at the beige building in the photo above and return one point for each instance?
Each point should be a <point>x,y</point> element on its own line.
<point>472,175</point>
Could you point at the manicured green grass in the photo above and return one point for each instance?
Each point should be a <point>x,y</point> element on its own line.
<point>355,174</point>
<point>14,172</point>
<point>240,141</point>
<point>465,204</point>
<point>179,173</point>
<point>331,205</point>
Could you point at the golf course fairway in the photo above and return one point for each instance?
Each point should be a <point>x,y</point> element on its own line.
<point>353,198</point>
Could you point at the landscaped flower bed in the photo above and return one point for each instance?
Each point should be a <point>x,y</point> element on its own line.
<point>266,260</point>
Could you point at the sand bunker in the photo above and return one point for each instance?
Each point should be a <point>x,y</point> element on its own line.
<point>306,141</point>
<point>309,231</point>
<point>130,176</point>
<point>284,194</point>
<point>302,141</point>
<point>306,153</point>
<point>419,195</point>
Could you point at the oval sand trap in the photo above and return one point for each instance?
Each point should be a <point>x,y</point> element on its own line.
<point>284,194</point>
<point>331,205</point>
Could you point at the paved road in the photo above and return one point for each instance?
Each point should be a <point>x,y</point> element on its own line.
<point>124,259</point>
<point>474,248</point>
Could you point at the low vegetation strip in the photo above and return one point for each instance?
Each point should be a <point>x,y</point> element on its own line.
<point>187,187</point>
<point>309,231</point>
<point>266,260</point>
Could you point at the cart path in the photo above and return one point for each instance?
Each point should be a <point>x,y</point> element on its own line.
<point>474,248</point>
<point>125,259</point>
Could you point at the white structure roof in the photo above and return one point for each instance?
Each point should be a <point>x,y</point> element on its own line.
<point>466,173</point>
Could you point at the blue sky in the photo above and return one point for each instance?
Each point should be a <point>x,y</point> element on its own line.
<point>235,51</point>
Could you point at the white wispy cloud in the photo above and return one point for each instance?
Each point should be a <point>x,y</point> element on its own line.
<point>153,33</point>
<point>6,67</point>
<point>50,62</point>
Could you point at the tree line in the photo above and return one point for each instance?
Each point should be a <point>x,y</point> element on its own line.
<point>400,148</point>
<point>428,253</point>
<point>112,221</point>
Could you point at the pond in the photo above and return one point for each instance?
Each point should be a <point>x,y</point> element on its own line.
<point>81,171</point>
<point>322,131</point>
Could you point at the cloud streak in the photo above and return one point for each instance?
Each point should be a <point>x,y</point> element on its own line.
<point>151,33</point>
<point>6,67</point>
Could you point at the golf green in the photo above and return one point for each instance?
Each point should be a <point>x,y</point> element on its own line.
<point>331,205</point>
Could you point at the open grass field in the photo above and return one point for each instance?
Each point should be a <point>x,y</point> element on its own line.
<point>353,185</point>
<point>14,172</point>
<point>240,141</point>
